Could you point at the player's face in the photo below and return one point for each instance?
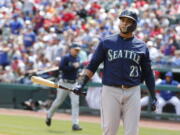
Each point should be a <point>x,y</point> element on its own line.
<point>74,52</point>
<point>124,24</point>
<point>168,78</point>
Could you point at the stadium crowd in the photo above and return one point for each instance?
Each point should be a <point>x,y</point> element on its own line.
<point>34,34</point>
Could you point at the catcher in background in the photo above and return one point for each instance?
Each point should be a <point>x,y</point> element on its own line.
<point>126,64</point>
<point>69,66</point>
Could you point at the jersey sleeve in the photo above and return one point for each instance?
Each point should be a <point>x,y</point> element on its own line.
<point>147,72</point>
<point>97,58</point>
<point>176,83</point>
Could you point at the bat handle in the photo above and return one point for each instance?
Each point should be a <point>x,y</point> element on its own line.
<point>83,94</point>
<point>80,93</point>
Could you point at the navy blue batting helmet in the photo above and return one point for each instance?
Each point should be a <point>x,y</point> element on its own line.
<point>75,46</point>
<point>130,13</point>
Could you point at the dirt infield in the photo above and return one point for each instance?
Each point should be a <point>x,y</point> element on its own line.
<point>93,119</point>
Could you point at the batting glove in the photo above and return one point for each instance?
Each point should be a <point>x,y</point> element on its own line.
<point>78,89</point>
<point>153,103</point>
<point>80,85</point>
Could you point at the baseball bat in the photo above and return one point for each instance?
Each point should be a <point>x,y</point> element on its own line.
<point>45,82</point>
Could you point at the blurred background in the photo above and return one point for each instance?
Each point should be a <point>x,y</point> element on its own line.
<point>35,34</point>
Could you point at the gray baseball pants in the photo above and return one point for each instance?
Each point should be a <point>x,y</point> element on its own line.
<point>117,104</point>
<point>60,97</point>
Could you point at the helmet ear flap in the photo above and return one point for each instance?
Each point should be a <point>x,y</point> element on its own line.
<point>132,27</point>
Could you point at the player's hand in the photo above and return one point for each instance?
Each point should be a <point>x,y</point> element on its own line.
<point>78,89</point>
<point>153,103</point>
<point>76,64</point>
<point>80,85</point>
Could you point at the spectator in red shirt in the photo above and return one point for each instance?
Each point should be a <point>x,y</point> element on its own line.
<point>68,16</point>
<point>156,31</point>
<point>56,19</point>
<point>38,22</point>
<point>48,21</point>
<point>94,8</point>
<point>140,3</point>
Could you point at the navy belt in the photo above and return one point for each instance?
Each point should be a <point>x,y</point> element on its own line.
<point>68,81</point>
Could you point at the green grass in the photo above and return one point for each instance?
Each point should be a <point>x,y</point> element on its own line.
<point>21,125</point>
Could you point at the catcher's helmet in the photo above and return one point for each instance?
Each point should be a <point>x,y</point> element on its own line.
<point>129,13</point>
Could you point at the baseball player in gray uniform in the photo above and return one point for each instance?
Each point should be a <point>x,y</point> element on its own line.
<point>69,66</point>
<point>126,65</point>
